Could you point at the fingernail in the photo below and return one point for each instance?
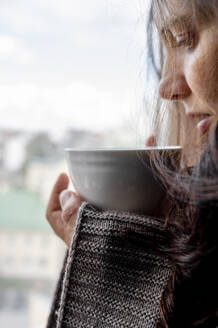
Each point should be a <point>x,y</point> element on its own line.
<point>65,197</point>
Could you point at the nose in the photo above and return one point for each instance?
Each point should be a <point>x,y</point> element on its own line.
<point>173,86</point>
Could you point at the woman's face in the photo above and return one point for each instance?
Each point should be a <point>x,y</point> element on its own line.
<point>190,73</point>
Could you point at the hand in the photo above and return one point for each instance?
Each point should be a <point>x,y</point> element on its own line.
<point>63,205</point>
<point>62,209</point>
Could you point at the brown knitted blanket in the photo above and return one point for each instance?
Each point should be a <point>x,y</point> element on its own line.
<point>109,278</point>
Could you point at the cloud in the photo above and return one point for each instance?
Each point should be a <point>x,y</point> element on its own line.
<point>39,15</point>
<point>76,105</point>
<point>83,9</point>
<point>84,24</point>
<point>86,10</point>
<point>12,50</point>
<point>95,42</point>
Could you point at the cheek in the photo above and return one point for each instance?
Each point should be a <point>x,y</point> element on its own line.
<point>202,76</point>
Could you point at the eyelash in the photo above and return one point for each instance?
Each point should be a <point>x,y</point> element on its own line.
<point>188,41</point>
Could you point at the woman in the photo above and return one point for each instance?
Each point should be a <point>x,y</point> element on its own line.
<point>187,66</point>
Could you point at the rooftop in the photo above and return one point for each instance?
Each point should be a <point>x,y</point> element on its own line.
<point>22,210</point>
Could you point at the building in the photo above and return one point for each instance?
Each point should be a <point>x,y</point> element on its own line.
<point>31,257</point>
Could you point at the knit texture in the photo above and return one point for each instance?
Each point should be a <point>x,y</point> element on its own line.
<point>109,278</point>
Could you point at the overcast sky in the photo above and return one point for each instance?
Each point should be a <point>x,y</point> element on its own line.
<point>71,63</point>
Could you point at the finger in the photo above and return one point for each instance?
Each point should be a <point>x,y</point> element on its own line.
<point>151,142</point>
<point>61,184</point>
<point>64,196</point>
<point>68,195</point>
<point>71,208</point>
<point>56,222</point>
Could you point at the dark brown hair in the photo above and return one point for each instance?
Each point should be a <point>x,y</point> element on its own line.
<point>190,298</point>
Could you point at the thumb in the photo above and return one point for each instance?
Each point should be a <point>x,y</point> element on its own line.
<point>61,184</point>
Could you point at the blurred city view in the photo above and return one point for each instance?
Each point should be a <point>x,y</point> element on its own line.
<point>30,254</point>
<point>73,74</point>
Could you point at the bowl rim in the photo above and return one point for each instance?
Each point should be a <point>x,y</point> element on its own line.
<point>107,149</point>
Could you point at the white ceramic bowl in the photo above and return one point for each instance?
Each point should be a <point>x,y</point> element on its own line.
<point>118,179</point>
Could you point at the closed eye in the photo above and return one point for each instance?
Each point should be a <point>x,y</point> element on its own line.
<point>185,40</point>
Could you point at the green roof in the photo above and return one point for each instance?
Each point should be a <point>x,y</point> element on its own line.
<point>22,210</point>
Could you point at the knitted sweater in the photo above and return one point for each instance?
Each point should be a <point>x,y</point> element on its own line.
<point>109,278</point>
